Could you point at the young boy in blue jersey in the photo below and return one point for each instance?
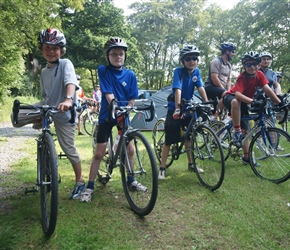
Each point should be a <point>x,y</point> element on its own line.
<point>116,82</point>
<point>185,79</point>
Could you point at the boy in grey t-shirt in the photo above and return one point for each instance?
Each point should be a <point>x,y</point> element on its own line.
<point>58,84</point>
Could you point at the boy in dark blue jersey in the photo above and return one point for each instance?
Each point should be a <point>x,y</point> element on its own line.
<point>116,82</point>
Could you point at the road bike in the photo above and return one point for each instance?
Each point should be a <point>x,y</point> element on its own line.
<point>269,152</point>
<point>47,164</point>
<point>88,116</point>
<point>206,150</point>
<point>143,166</point>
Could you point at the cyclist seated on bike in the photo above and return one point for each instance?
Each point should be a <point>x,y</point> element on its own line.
<point>185,79</point>
<point>58,84</point>
<point>219,73</point>
<point>242,93</point>
<point>117,83</point>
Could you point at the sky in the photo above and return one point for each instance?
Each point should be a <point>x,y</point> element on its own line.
<point>225,4</point>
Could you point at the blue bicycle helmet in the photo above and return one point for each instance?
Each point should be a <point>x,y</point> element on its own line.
<point>227,46</point>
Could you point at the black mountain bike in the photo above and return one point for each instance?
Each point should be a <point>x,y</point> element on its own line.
<point>47,165</point>
<point>142,166</point>
<point>206,150</point>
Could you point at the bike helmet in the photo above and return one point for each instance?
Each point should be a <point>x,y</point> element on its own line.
<point>227,46</point>
<point>188,49</point>
<point>252,55</point>
<point>115,43</point>
<point>265,53</point>
<point>52,36</point>
<point>279,74</point>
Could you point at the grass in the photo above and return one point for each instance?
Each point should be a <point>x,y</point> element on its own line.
<point>244,213</point>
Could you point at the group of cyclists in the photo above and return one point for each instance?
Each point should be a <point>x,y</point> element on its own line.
<point>256,78</point>
<point>59,85</point>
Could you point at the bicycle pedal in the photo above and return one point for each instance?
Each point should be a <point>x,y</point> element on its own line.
<point>30,190</point>
<point>104,180</point>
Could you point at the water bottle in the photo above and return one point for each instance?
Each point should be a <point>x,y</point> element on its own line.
<point>116,142</point>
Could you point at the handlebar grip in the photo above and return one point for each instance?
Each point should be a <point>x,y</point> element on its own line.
<point>152,112</point>
<point>73,113</point>
<point>15,111</point>
<point>285,117</point>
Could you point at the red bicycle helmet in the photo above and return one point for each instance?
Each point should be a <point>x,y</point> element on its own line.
<point>52,36</point>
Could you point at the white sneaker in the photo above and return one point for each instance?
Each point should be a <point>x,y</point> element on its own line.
<point>86,196</point>
<point>191,168</point>
<point>279,148</point>
<point>162,174</point>
<point>136,186</point>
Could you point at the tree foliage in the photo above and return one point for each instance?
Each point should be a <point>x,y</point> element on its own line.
<point>155,32</point>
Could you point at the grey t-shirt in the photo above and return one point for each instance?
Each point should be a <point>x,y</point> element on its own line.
<point>223,70</point>
<point>53,83</point>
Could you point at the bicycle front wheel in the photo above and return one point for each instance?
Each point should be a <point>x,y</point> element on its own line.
<point>89,120</point>
<point>48,169</point>
<point>145,172</point>
<point>270,155</point>
<point>158,135</point>
<point>224,135</point>
<point>207,153</point>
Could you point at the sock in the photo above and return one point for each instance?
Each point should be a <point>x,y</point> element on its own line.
<point>130,179</point>
<point>237,128</point>
<point>161,168</point>
<point>91,185</point>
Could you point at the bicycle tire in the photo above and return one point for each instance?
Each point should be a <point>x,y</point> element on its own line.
<point>224,135</point>
<point>48,169</point>
<point>145,172</point>
<point>88,123</point>
<point>158,136</point>
<point>207,153</point>
<point>270,158</point>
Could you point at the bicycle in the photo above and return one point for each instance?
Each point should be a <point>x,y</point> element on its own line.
<point>89,117</point>
<point>47,165</point>
<point>206,150</point>
<point>269,153</point>
<point>145,169</point>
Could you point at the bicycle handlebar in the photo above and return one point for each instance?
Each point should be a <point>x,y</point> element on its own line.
<point>125,109</point>
<point>17,106</point>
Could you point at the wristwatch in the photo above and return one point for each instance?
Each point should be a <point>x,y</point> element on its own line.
<point>69,97</point>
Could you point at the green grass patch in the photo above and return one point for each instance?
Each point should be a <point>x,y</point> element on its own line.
<point>245,213</point>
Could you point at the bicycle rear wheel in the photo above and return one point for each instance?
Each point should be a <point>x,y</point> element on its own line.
<point>88,121</point>
<point>269,155</point>
<point>158,136</point>
<point>48,170</point>
<point>145,172</point>
<point>207,153</point>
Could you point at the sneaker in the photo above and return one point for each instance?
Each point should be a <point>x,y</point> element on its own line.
<point>192,168</point>
<point>81,133</point>
<point>86,196</point>
<point>237,139</point>
<point>279,148</point>
<point>247,161</point>
<point>162,174</point>
<point>78,189</point>
<point>136,186</point>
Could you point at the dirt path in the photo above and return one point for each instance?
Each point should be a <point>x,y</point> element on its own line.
<point>11,141</point>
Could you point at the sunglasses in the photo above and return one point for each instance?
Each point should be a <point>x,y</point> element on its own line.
<point>193,58</point>
<point>248,65</point>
